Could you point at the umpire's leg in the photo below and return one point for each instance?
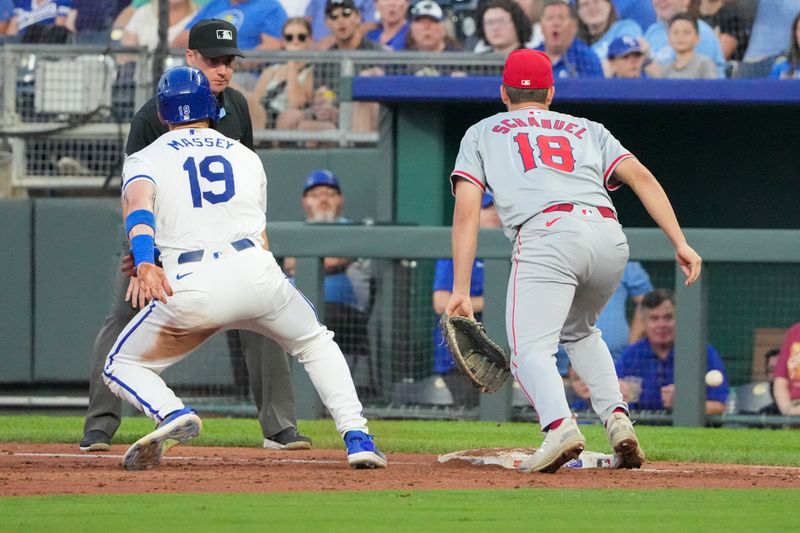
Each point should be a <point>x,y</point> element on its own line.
<point>270,381</point>
<point>105,408</point>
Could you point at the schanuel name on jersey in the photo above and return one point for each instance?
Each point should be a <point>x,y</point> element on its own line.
<point>509,124</point>
<point>189,142</point>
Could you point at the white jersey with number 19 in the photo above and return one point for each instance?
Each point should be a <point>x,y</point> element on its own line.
<point>532,158</point>
<point>215,189</point>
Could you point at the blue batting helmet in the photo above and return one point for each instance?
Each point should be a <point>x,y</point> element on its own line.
<point>184,95</point>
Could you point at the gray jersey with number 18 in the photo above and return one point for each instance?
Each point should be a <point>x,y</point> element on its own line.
<point>532,158</point>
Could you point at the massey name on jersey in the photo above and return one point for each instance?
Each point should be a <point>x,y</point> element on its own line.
<point>509,124</point>
<point>196,142</point>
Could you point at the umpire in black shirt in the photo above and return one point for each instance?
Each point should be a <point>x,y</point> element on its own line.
<point>212,49</point>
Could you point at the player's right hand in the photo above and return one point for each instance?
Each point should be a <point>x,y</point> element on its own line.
<point>689,261</point>
<point>460,305</point>
<point>153,282</point>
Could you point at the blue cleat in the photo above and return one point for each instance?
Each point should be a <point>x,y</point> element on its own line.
<point>361,451</point>
<point>179,427</point>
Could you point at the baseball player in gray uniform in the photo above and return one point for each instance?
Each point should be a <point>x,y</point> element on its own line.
<point>200,197</point>
<point>550,174</point>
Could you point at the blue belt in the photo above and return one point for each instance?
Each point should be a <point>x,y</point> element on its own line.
<point>197,255</point>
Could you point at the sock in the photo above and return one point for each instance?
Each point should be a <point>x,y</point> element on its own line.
<point>555,424</point>
<point>617,410</point>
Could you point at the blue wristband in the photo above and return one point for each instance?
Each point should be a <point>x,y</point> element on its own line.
<point>143,249</point>
<point>140,216</point>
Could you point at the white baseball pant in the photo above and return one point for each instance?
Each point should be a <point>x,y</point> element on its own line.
<point>227,290</point>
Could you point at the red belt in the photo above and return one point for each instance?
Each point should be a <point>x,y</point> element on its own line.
<point>605,212</point>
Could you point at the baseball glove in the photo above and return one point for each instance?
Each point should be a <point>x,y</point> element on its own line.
<point>477,356</point>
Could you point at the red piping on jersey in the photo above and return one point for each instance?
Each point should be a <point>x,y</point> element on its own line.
<point>467,175</point>
<point>611,168</point>
<point>514,298</point>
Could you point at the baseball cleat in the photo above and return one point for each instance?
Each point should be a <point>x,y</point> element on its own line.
<point>95,440</point>
<point>288,439</point>
<point>179,427</point>
<point>627,452</point>
<point>361,451</point>
<point>560,446</point>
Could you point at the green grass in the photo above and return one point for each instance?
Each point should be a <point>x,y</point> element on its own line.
<point>723,445</point>
<point>417,511</point>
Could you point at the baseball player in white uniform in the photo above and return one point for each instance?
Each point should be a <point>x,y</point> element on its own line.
<point>550,174</point>
<point>201,198</point>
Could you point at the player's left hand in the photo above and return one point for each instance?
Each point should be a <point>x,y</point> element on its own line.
<point>460,305</point>
<point>153,282</point>
<point>690,262</point>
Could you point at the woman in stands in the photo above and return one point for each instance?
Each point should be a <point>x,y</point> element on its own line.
<point>788,67</point>
<point>502,27</point>
<point>284,91</point>
<point>599,24</point>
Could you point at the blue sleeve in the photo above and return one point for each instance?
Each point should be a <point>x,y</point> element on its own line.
<point>779,68</point>
<point>594,69</point>
<point>636,279</point>
<point>367,9</point>
<point>476,285</point>
<point>714,362</point>
<point>5,9</point>
<point>443,276</point>
<point>622,364</point>
<point>63,7</point>
<point>274,21</point>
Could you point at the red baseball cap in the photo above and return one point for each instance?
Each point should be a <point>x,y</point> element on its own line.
<point>528,69</point>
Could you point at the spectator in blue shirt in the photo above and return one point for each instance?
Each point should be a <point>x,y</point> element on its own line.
<point>258,22</point>
<point>658,36</point>
<point>571,57</point>
<point>348,280</point>
<point>788,67</point>
<point>651,361</point>
<point>635,283</point>
<point>37,22</point>
<point>393,28</point>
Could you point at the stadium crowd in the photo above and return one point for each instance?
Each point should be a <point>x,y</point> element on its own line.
<point>582,37</point>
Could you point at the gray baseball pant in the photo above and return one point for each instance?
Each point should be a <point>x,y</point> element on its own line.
<point>565,268</point>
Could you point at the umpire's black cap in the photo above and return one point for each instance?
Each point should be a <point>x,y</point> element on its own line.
<point>214,38</point>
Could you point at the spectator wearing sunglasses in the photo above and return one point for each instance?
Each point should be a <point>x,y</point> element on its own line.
<point>393,29</point>
<point>317,12</point>
<point>284,91</point>
<point>344,21</point>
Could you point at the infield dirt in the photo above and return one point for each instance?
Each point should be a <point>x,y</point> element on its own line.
<point>43,469</point>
